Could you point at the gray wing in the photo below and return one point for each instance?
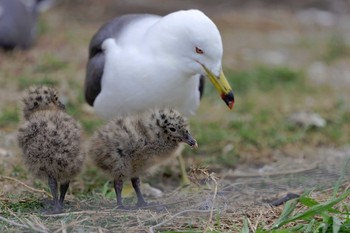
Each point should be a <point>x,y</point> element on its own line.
<point>95,65</point>
<point>201,86</point>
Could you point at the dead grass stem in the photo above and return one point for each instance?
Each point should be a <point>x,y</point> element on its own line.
<point>26,226</point>
<point>65,226</point>
<point>151,229</point>
<point>25,185</point>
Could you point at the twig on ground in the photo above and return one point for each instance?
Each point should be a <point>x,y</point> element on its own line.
<point>151,229</point>
<point>35,221</point>
<point>64,226</point>
<point>213,178</point>
<point>195,175</point>
<point>5,199</point>
<point>13,214</point>
<point>251,225</point>
<point>25,185</point>
<point>84,212</point>
<point>278,173</point>
<point>76,213</point>
<point>258,220</point>
<point>95,228</point>
<point>13,223</point>
<point>347,187</point>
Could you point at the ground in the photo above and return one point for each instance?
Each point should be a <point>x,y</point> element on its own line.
<point>281,58</point>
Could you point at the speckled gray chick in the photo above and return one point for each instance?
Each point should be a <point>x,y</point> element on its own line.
<point>51,142</point>
<point>126,147</point>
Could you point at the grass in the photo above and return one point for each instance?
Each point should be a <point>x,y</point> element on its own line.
<point>9,117</point>
<point>25,82</point>
<point>266,79</point>
<point>314,208</point>
<point>336,48</point>
<point>257,125</point>
<point>20,204</point>
<point>250,133</point>
<point>265,98</point>
<point>305,214</point>
<point>258,120</point>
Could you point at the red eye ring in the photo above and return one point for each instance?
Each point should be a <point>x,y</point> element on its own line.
<point>199,51</point>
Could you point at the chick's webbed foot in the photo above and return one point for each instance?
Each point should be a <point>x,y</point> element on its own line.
<point>47,203</point>
<point>141,203</point>
<point>54,209</point>
<point>51,206</point>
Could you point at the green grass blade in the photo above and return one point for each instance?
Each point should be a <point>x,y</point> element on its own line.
<point>316,209</point>
<point>336,224</point>
<point>245,228</point>
<point>322,228</point>
<point>107,191</point>
<point>309,227</point>
<point>309,202</point>
<point>288,209</point>
<point>341,178</point>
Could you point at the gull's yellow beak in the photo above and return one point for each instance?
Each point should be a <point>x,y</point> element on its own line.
<point>222,86</point>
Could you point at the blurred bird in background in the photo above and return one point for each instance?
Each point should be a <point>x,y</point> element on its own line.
<point>18,22</point>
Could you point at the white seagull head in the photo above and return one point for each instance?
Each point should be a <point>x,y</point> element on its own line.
<point>192,43</point>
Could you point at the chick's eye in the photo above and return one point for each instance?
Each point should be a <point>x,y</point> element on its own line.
<point>172,129</point>
<point>199,51</point>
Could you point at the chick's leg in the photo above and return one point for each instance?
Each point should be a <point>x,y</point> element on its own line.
<point>54,206</point>
<point>135,181</point>
<point>118,187</point>
<point>63,188</point>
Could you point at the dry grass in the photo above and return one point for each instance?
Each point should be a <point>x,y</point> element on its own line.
<point>205,206</point>
<point>255,154</point>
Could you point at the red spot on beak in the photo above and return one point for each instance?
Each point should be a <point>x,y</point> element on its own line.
<point>228,99</point>
<point>231,104</point>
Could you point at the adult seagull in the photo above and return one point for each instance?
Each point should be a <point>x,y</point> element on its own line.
<point>142,61</point>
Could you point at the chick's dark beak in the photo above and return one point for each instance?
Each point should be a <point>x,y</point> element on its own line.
<point>61,106</point>
<point>187,138</point>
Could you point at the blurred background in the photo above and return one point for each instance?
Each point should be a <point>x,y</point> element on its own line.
<point>287,61</point>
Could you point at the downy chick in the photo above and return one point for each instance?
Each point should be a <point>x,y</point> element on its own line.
<point>51,142</point>
<point>126,147</point>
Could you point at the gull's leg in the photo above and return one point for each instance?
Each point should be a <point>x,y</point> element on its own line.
<point>63,188</point>
<point>118,187</point>
<point>178,153</point>
<point>135,181</point>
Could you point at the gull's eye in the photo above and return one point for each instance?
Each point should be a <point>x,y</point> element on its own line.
<point>199,51</point>
<point>172,129</point>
